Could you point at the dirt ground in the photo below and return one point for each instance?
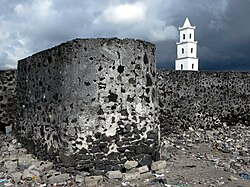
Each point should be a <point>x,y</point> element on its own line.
<point>196,158</point>
<point>186,169</point>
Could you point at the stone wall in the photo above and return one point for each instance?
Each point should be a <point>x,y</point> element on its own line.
<point>90,104</point>
<point>202,99</point>
<point>7,98</point>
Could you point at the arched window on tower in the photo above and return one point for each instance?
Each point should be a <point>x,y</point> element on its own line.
<point>184,36</point>
<point>192,50</point>
<point>190,36</point>
<point>182,50</point>
<point>181,66</point>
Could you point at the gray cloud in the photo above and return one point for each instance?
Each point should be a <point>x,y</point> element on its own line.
<point>29,26</point>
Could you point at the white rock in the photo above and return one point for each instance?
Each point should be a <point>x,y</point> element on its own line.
<point>143,169</point>
<point>131,176</point>
<point>46,166</point>
<point>18,145</point>
<point>79,178</point>
<point>233,178</point>
<point>8,184</point>
<point>92,184</point>
<point>26,159</point>
<point>4,148</point>
<point>160,171</point>
<point>11,148</point>
<point>33,167</point>
<point>30,174</point>
<point>93,178</point>
<point>146,175</point>
<point>126,183</point>
<point>130,164</point>
<point>22,151</point>
<point>59,178</point>
<point>36,163</point>
<point>14,141</point>
<point>42,185</point>
<point>10,165</point>
<point>114,175</point>
<point>16,176</point>
<point>161,164</point>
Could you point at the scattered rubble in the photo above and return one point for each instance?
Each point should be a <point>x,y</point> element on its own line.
<point>196,157</point>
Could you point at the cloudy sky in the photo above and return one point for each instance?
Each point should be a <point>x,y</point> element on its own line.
<point>223,27</point>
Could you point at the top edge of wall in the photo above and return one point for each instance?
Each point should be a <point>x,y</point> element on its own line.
<point>7,70</point>
<point>101,40</point>
<point>201,72</point>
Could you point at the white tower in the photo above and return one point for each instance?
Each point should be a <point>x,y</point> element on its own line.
<point>186,48</point>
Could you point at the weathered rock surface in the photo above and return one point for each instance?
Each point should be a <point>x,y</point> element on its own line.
<point>158,165</point>
<point>202,164</point>
<point>7,98</point>
<point>202,99</point>
<point>94,111</point>
<point>59,178</point>
<point>87,101</point>
<point>114,174</point>
<point>130,164</point>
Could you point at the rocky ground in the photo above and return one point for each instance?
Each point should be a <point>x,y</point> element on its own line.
<point>195,157</point>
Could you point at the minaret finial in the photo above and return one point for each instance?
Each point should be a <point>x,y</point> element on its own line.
<point>187,23</point>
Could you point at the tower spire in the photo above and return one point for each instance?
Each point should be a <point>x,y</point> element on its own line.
<point>187,23</point>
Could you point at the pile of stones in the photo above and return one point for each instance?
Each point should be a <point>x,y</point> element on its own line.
<point>230,146</point>
<point>223,151</point>
<point>19,168</point>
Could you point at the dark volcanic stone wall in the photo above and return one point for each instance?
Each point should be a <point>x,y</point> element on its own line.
<point>7,98</point>
<point>203,99</point>
<point>90,104</point>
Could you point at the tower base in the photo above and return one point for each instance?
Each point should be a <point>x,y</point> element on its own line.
<point>187,64</point>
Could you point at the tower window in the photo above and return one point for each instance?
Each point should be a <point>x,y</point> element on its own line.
<point>182,50</point>
<point>181,66</point>
<point>184,36</point>
<point>190,36</point>
<point>192,66</point>
<point>192,50</point>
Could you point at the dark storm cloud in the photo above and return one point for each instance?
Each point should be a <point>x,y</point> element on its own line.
<point>229,45</point>
<point>29,26</point>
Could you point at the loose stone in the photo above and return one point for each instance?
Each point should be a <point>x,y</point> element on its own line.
<point>131,176</point>
<point>59,178</point>
<point>130,164</point>
<point>114,175</point>
<point>161,164</point>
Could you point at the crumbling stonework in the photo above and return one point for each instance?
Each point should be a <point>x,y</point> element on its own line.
<point>90,104</point>
<point>7,98</point>
<point>202,99</point>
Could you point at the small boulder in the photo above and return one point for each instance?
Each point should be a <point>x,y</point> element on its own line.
<point>59,178</point>
<point>10,165</point>
<point>30,174</point>
<point>143,169</point>
<point>114,175</point>
<point>131,176</point>
<point>233,178</point>
<point>79,179</point>
<point>16,176</point>
<point>130,164</point>
<point>158,165</point>
<point>98,178</point>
